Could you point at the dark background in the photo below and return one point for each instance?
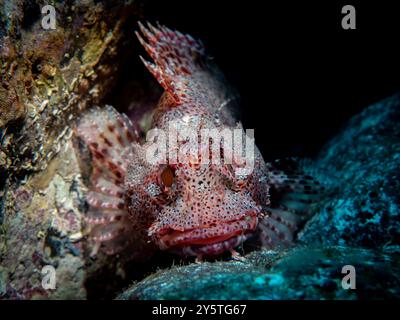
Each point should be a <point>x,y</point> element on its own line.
<point>299,74</point>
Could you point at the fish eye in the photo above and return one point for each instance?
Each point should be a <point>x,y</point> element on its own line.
<point>167,176</point>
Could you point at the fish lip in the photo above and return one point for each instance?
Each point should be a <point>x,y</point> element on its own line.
<point>184,242</point>
<point>212,249</point>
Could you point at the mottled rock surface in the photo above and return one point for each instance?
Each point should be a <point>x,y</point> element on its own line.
<point>48,77</point>
<point>301,273</point>
<point>356,224</point>
<point>363,165</point>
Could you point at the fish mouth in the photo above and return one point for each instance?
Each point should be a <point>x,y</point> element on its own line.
<point>209,240</point>
<point>213,249</point>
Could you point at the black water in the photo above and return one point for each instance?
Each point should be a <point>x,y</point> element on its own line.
<point>299,74</point>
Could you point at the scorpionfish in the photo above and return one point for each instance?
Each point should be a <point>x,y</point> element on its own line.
<point>191,209</point>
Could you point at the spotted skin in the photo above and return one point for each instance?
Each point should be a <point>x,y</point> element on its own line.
<point>189,208</point>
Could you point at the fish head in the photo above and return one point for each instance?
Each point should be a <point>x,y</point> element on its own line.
<point>206,215</point>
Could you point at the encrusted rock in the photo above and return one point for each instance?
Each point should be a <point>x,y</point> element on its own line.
<point>48,78</point>
<point>302,273</point>
<point>363,165</point>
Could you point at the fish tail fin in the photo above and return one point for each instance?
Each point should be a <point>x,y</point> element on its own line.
<point>176,57</point>
<point>109,137</point>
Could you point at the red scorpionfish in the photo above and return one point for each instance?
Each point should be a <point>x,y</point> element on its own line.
<point>190,208</point>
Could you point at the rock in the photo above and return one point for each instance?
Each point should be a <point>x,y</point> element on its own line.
<point>44,228</point>
<point>364,160</point>
<point>301,273</point>
<point>49,77</point>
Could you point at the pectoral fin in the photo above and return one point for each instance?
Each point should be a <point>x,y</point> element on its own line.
<point>292,194</point>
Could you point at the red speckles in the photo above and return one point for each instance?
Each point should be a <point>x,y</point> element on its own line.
<point>106,140</point>
<point>119,139</point>
<point>129,136</point>
<point>121,205</point>
<point>187,72</point>
<point>98,155</point>
<point>111,166</point>
<point>111,128</point>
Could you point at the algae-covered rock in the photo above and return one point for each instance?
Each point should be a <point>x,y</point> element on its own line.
<point>302,273</point>
<point>363,164</point>
<point>48,78</point>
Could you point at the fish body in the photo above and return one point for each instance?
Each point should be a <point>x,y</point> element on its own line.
<point>182,203</point>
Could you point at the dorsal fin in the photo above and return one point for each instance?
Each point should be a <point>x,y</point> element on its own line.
<point>176,58</point>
